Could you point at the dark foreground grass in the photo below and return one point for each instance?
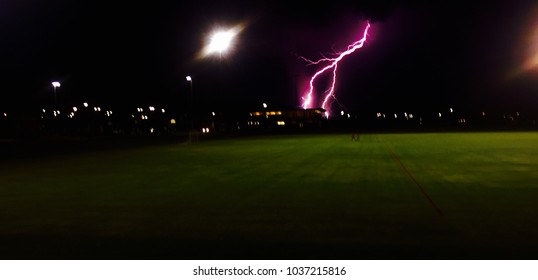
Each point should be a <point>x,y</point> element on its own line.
<point>387,196</point>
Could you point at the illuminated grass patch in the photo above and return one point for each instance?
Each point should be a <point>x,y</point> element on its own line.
<point>321,196</point>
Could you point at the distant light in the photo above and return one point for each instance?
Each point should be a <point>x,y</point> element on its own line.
<point>162,110</point>
<point>151,130</point>
<point>451,110</point>
<point>44,111</point>
<point>341,113</point>
<point>440,114</point>
<point>172,121</point>
<point>85,104</point>
<point>205,130</point>
<point>264,105</point>
<point>348,116</point>
<point>75,109</point>
<point>151,108</point>
<point>189,79</point>
<point>395,116</point>
<point>378,115</point>
<point>213,113</point>
<point>483,114</point>
<point>56,84</point>
<point>281,123</point>
<point>5,114</point>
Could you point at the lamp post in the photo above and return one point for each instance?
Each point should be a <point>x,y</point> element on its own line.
<point>189,79</point>
<point>55,85</point>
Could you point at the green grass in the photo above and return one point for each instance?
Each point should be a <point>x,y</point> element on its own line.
<point>315,196</point>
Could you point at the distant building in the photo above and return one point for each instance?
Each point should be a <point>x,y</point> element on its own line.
<point>270,118</point>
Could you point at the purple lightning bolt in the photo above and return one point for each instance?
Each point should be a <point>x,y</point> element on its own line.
<point>332,63</point>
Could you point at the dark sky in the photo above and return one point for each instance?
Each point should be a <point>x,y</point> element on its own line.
<point>419,55</point>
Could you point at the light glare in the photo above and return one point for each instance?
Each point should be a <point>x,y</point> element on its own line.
<point>221,41</point>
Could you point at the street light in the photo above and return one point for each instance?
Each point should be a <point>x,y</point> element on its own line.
<point>55,85</point>
<point>189,79</point>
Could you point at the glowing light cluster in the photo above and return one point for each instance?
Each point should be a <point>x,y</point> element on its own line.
<point>330,64</point>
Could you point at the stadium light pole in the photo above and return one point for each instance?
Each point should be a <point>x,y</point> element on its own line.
<point>55,85</point>
<point>218,43</point>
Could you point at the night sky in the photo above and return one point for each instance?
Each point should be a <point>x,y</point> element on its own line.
<point>419,55</point>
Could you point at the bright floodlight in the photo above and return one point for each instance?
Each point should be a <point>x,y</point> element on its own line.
<point>56,84</point>
<point>189,79</point>
<point>221,41</point>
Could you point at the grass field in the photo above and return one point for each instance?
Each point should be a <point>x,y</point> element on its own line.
<point>387,196</point>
